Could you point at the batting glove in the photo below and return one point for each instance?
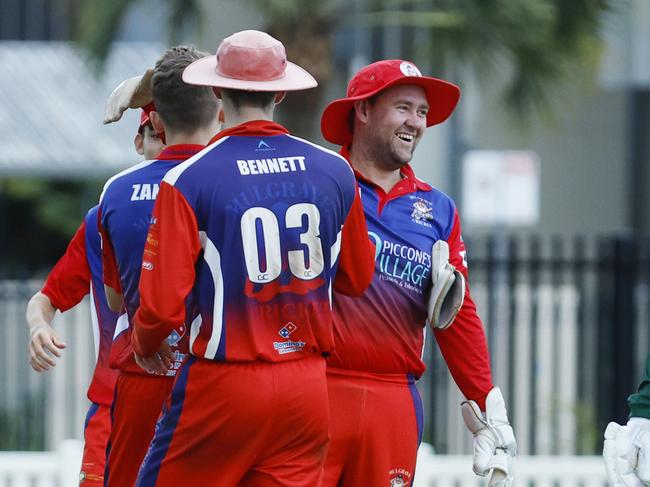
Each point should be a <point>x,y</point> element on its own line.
<point>494,441</point>
<point>131,93</point>
<point>447,290</point>
<point>627,453</point>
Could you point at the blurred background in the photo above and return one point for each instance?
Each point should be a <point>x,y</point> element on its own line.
<point>547,157</point>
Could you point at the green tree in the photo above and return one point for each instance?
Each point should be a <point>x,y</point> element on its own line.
<point>534,41</point>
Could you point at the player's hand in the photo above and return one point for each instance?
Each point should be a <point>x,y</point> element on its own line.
<point>627,453</point>
<point>494,441</point>
<point>159,363</point>
<point>131,93</point>
<point>447,290</point>
<point>44,346</point>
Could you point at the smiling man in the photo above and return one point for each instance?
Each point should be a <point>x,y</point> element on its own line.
<point>376,412</point>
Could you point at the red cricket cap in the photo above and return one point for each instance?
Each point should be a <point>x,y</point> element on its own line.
<point>376,77</point>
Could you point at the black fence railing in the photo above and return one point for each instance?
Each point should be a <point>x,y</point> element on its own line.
<point>567,322</point>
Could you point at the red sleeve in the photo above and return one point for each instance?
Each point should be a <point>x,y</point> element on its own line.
<point>463,344</point>
<point>111,275</point>
<point>168,272</point>
<point>357,257</point>
<point>69,280</point>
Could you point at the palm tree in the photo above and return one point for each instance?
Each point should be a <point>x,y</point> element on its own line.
<point>536,41</point>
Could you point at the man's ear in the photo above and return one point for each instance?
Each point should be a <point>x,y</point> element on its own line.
<point>138,142</point>
<point>156,122</point>
<point>361,108</point>
<point>279,96</point>
<point>217,93</point>
<point>221,116</point>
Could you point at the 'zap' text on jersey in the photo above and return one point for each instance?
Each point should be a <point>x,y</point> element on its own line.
<point>405,265</point>
<point>274,165</point>
<point>144,192</point>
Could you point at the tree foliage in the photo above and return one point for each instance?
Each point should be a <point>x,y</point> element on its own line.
<point>534,42</point>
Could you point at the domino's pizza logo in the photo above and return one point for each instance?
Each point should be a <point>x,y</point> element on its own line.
<point>287,330</point>
<point>175,336</point>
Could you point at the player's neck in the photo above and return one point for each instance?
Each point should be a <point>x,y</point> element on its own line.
<point>199,137</point>
<point>372,170</point>
<point>246,114</point>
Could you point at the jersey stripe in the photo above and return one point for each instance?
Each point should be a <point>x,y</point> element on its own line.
<point>324,149</point>
<point>121,325</point>
<point>195,327</point>
<point>334,255</point>
<point>123,173</point>
<point>213,259</point>
<point>94,320</point>
<point>173,174</point>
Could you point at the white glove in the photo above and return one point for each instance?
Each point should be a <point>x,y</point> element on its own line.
<point>627,453</point>
<point>448,289</point>
<point>494,440</point>
<point>131,93</point>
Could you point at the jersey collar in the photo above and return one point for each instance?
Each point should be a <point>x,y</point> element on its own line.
<point>179,152</point>
<point>409,183</point>
<point>252,128</point>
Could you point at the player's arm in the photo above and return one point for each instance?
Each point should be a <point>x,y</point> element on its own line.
<point>463,344</point>
<point>640,402</point>
<point>168,270</point>
<point>627,448</point>
<point>357,256</point>
<point>111,276</point>
<point>66,285</point>
<point>464,348</point>
<point>44,343</point>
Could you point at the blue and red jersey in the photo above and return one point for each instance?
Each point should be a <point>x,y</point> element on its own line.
<point>253,229</point>
<point>383,331</point>
<point>77,273</point>
<point>125,210</point>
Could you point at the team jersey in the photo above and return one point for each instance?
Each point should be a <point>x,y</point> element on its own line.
<point>253,228</point>
<point>383,331</point>
<point>77,273</point>
<point>640,402</point>
<point>125,209</point>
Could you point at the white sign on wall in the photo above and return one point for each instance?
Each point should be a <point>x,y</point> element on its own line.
<point>501,188</point>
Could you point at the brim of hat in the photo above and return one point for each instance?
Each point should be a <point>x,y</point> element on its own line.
<point>442,97</point>
<point>202,72</point>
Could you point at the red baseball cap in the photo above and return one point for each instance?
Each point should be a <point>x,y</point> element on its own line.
<point>249,60</point>
<point>144,115</point>
<point>144,119</point>
<point>376,77</point>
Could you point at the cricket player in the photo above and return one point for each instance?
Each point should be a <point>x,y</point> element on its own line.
<point>254,228</point>
<point>76,274</point>
<point>188,116</point>
<point>627,448</point>
<point>376,411</point>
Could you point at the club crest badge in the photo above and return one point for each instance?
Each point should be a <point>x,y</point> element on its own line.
<point>422,211</point>
<point>400,477</point>
<point>409,69</point>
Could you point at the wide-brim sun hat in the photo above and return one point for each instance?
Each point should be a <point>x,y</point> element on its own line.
<point>442,96</point>
<point>249,60</point>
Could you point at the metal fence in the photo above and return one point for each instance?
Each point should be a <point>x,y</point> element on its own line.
<point>39,411</point>
<point>567,324</point>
